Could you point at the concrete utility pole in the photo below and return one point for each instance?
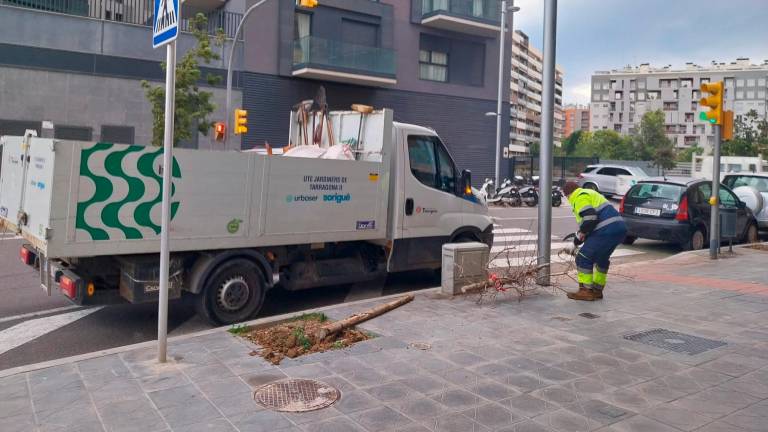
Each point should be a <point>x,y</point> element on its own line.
<point>714,223</point>
<point>500,98</point>
<point>547,143</point>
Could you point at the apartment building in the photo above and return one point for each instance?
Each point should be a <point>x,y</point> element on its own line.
<point>576,119</point>
<point>434,62</point>
<point>525,96</point>
<point>621,97</point>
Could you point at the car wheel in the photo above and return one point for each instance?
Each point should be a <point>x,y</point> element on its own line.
<point>628,240</point>
<point>752,234</point>
<point>233,293</point>
<point>696,241</point>
<point>591,186</point>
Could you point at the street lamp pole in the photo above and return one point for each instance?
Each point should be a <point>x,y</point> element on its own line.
<point>547,143</point>
<point>499,114</point>
<point>228,110</point>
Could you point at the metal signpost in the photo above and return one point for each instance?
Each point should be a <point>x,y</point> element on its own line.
<point>547,136</point>
<point>165,30</point>
<point>714,201</point>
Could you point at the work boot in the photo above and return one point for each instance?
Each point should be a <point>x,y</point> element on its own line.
<point>584,293</point>
<point>598,290</point>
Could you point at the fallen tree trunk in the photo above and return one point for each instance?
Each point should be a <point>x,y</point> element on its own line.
<point>358,318</point>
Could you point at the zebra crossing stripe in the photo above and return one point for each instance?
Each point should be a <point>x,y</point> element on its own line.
<point>525,260</point>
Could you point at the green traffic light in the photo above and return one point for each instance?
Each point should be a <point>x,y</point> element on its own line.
<point>703,116</point>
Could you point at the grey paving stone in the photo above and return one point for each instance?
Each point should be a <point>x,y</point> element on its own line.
<point>753,418</point>
<point>605,361</point>
<point>716,402</point>
<point>18,423</point>
<point>233,405</point>
<point>600,411</point>
<point>380,419</point>
<point>261,421</point>
<point>339,383</point>
<point>456,423</point>
<point>427,384</point>
<point>525,382</point>
<point>309,371</point>
<point>492,390</point>
<point>522,364</point>
<point>218,425</point>
<point>75,416</point>
<point>464,358</point>
<point>721,426</point>
<point>617,378</point>
<point>224,387</point>
<point>163,381</point>
<point>735,365</point>
<point>658,390</point>
<point>457,399</point>
<point>258,379</point>
<point>111,365</point>
<point>524,426</point>
<point>400,369</point>
<point>754,384</point>
<point>492,415</point>
<point>577,367</point>
<point>435,365</point>
<point>336,424</point>
<point>421,409</point>
<point>391,391</point>
<point>640,423</point>
<point>315,416</point>
<point>527,405</point>
<point>566,421</point>
<point>629,399</point>
<point>135,415</point>
<point>461,377</point>
<point>354,401</point>
<point>589,386</point>
<point>557,394</point>
<point>413,427</point>
<point>554,374</point>
<point>210,372</point>
<point>365,377</point>
<point>13,386</point>
<point>494,370</point>
<point>678,417</point>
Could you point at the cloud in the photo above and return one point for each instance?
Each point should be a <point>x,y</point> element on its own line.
<point>578,93</point>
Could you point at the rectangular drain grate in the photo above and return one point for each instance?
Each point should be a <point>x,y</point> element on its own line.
<point>674,341</point>
<point>589,315</point>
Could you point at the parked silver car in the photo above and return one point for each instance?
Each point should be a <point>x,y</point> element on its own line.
<point>611,180</point>
<point>752,188</point>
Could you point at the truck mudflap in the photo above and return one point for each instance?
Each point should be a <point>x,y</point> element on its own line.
<point>140,276</point>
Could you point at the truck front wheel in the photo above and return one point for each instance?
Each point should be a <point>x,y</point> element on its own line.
<point>234,292</point>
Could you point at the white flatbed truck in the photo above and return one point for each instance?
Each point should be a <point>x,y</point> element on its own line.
<point>241,222</point>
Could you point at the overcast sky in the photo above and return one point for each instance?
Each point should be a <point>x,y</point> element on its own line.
<point>609,34</point>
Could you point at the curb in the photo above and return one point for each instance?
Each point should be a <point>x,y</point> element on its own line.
<point>257,322</point>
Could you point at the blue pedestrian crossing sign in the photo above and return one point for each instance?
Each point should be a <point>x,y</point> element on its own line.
<point>165,25</point>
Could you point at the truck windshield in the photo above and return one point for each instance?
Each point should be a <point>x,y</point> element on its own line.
<point>759,183</point>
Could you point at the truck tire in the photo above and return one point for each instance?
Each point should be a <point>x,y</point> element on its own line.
<point>233,293</point>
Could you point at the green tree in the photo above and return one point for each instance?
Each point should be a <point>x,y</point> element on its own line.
<point>606,144</point>
<point>749,136</point>
<point>193,106</point>
<point>570,143</point>
<point>686,155</point>
<point>652,142</point>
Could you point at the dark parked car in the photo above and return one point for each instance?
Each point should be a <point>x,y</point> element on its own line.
<point>677,210</point>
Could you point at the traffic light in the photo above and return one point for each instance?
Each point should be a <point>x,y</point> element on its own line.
<point>241,121</point>
<point>714,101</point>
<point>307,3</point>
<point>219,131</point>
<point>727,125</point>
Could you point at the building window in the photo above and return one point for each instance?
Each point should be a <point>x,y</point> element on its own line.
<point>761,94</point>
<point>73,133</point>
<point>761,82</point>
<point>302,26</point>
<point>676,94</point>
<point>703,80</point>
<point>18,127</point>
<point>641,96</point>
<point>740,83</point>
<point>433,66</point>
<point>641,84</point>
<point>654,95</point>
<point>618,95</point>
<point>689,117</point>
<point>750,94</point>
<point>739,95</point>
<point>670,106</point>
<point>750,83</point>
<point>117,134</point>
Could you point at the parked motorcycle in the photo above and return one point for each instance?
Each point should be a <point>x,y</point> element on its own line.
<point>557,196</point>
<point>504,195</point>
<point>529,195</point>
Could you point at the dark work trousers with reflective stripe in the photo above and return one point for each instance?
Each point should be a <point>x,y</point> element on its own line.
<point>597,249</point>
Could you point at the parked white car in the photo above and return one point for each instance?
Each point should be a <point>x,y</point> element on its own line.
<point>752,188</point>
<point>611,180</point>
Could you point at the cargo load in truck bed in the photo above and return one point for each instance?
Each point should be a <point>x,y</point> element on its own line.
<point>72,199</point>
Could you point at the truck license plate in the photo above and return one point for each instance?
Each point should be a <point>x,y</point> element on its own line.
<point>647,211</point>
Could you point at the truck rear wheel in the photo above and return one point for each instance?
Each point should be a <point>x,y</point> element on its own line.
<point>234,292</point>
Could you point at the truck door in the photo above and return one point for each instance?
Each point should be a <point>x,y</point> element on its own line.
<point>13,171</point>
<point>432,210</point>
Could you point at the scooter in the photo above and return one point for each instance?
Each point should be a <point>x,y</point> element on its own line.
<point>557,196</point>
<point>509,194</point>
<point>529,195</point>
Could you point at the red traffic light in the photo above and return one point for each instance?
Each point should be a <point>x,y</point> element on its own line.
<point>219,131</point>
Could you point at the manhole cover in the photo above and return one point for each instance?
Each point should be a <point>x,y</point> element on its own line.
<point>674,341</point>
<point>420,346</point>
<point>589,315</point>
<point>296,395</point>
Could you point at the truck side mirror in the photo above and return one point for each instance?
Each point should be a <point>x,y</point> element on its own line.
<point>466,182</point>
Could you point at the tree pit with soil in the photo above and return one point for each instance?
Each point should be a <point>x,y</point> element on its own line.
<point>297,337</point>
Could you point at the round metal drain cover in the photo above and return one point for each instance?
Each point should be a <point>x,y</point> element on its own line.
<point>296,395</point>
<point>420,346</point>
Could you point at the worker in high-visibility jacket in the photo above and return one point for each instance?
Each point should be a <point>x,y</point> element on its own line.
<point>601,229</point>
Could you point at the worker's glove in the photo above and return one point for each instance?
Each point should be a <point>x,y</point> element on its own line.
<point>578,239</point>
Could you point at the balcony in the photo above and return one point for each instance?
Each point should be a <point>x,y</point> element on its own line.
<point>332,60</point>
<point>477,17</point>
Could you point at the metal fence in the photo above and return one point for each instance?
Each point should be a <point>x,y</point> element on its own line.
<point>126,11</point>
<point>563,168</point>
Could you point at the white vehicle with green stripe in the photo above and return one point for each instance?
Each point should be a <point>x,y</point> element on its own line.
<point>241,222</point>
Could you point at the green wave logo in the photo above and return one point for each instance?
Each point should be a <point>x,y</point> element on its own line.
<point>106,185</point>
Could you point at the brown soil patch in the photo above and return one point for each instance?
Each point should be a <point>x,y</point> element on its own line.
<point>760,247</point>
<point>295,338</point>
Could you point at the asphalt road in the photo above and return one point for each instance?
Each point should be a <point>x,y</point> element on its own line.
<point>36,328</point>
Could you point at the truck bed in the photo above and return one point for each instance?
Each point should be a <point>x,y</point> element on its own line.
<point>73,199</point>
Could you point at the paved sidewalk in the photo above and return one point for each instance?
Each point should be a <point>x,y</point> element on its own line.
<point>535,365</point>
